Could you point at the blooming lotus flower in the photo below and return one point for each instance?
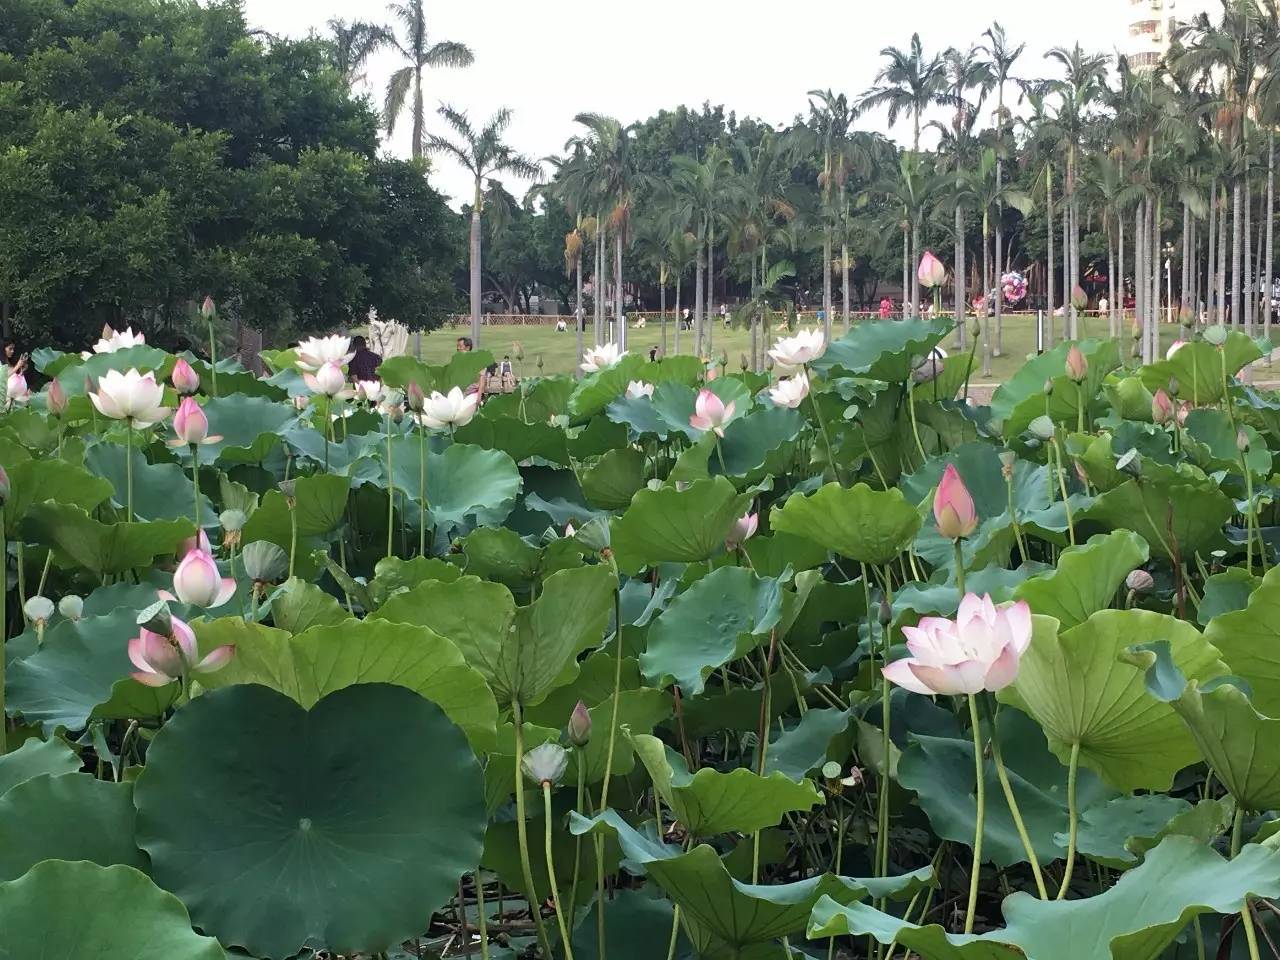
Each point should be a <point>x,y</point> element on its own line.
<point>184,379</point>
<point>1174,348</point>
<point>744,528</point>
<point>452,409</point>
<point>601,358</point>
<point>931,271</point>
<point>1077,365</point>
<point>314,352</point>
<point>16,389</point>
<point>56,399</point>
<point>161,660</point>
<point>638,388</point>
<point>953,507</point>
<point>790,392</point>
<point>579,728</point>
<point>191,425</point>
<point>805,347</point>
<point>113,340</point>
<point>329,380</point>
<point>1161,408</point>
<point>369,390</point>
<point>546,763</point>
<point>198,582</point>
<point>979,650</point>
<point>711,413</point>
<point>131,396</point>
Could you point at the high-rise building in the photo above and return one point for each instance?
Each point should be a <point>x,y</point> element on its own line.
<point>1151,27</point>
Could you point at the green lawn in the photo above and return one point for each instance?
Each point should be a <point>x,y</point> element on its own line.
<point>557,350</point>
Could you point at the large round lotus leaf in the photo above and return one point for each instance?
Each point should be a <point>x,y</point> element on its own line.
<point>124,917</point>
<point>613,480</point>
<point>1198,367</point>
<point>1249,640</point>
<point>514,437</point>
<point>1077,688</point>
<point>1085,579</point>
<point>870,526</point>
<point>1173,517</point>
<point>34,758</point>
<point>343,827</point>
<point>465,480</point>
<point>69,817</point>
<point>319,505</point>
<point>79,539</point>
<point>677,526</point>
<point>34,481</point>
<point>161,491</point>
<point>882,351</point>
<point>249,427</point>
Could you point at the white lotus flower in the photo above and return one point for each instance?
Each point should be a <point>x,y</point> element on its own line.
<point>369,390</point>
<point>314,352</point>
<point>328,380</point>
<point>638,388</point>
<point>454,409</point>
<point>16,389</point>
<point>113,340</point>
<point>131,396</point>
<point>805,347</point>
<point>601,358</point>
<point>790,392</point>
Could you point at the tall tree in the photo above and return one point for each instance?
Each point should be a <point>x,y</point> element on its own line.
<point>353,44</point>
<point>483,154</point>
<point>1001,56</point>
<point>415,46</point>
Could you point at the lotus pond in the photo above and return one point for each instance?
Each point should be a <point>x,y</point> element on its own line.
<point>644,664</point>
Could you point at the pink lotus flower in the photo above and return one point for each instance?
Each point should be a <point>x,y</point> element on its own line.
<point>415,398</point>
<point>16,389</point>
<point>328,380</point>
<point>199,542</point>
<point>979,650</point>
<point>161,660</point>
<point>184,379</point>
<point>1174,348</point>
<point>579,728</point>
<point>1077,365</point>
<point>1161,408</point>
<point>711,413</point>
<point>198,582</point>
<point>744,528</point>
<point>931,271</point>
<point>953,507</point>
<point>207,309</point>
<point>56,400</point>
<point>190,425</point>
<point>1079,299</point>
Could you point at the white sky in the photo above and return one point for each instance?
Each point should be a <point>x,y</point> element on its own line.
<point>552,59</point>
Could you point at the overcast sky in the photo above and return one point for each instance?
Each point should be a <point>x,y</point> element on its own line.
<point>552,59</point>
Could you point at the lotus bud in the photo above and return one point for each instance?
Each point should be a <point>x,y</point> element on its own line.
<point>975,328</point>
<point>207,309</point>
<point>157,618</point>
<point>953,507</point>
<point>1139,581</point>
<point>884,613</point>
<point>1042,428</point>
<point>4,490</point>
<point>744,528</point>
<point>264,562</point>
<point>569,530</point>
<point>1079,299</point>
<point>56,401</point>
<point>580,725</point>
<point>546,764</point>
<point>931,272</point>
<point>744,363</point>
<point>184,379</point>
<point>38,610</point>
<point>1186,317</point>
<point>1048,388</point>
<point>1184,411</point>
<point>538,363</point>
<point>517,349</point>
<point>415,398</point>
<point>854,779</point>
<point>1135,331</point>
<point>1216,335</point>
<point>71,607</point>
<point>1161,408</point>
<point>190,425</point>
<point>1077,365</point>
<point>1242,440</point>
<point>1174,386</point>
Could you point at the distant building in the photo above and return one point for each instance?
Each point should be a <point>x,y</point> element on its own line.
<point>1151,26</point>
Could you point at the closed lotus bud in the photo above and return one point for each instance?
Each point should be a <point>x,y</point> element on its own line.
<point>953,507</point>
<point>1174,386</point>
<point>1079,299</point>
<point>4,489</point>
<point>1186,316</point>
<point>1216,335</point>
<point>264,562</point>
<point>207,309</point>
<point>1139,581</point>
<point>1042,428</point>
<point>1161,408</point>
<point>1184,411</point>
<point>744,363</point>
<point>885,612</point>
<point>71,607</point>
<point>1135,331</point>
<point>415,398</point>
<point>975,328</point>
<point>38,609</point>
<point>1077,365</point>
<point>184,379</point>
<point>1242,440</point>
<point>56,401</point>
<point>931,271</point>
<point>580,725</point>
<point>546,764</point>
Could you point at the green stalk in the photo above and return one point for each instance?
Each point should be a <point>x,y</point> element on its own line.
<point>422,490</point>
<point>608,758</point>
<point>675,933</point>
<point>1246,912</point>
<point>822,426</point>
<point>128,472</point>
<point>1073,821</point>
<point>551,873</point>
<point>1062,483</point>
<point>195,482</point>
<point>1012,801</point>
<point>293,536</point>
<point>884,732</point>
<point>213,360</point>
<point>481,919</point>
<point>391,492</point>
<point>911,406</point>
<point>4,624</point>
<point>522,832</point>
<point>959,567</point>
<point>580,763</point>
<point>982,812</point>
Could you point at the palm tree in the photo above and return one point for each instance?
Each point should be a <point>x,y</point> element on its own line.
<point>415,47</point>
<point>831,119</point>
<point>483,154</point>
<point>1001,58</point>
<point>700,195</point>
<point>910,82</point>
<point>352,45</point>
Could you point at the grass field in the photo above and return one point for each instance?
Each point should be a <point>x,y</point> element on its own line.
<point>557,350</point>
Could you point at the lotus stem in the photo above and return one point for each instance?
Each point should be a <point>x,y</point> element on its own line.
<point>766,707</point>
<point>128,472</point>
<point>522,831</point>
<point>551,873</point>
<point>822,426</point>
<point>1012,801</point>
<point>391,493</point>
<point>1061,471</point>
<point>675,930</point>
<point>885,720</point>
<point>293,536</point>
<point>1073,820</point>
<point>195,483</point>
<point>422,490</point>
<point>481,919</point>
<point>1246,912</point>
<point>608,757</point>
<point>959,567</point>
<point>580,763</point>
<point>982,812</point>
<point>911,407</point>
<point>213,360</point>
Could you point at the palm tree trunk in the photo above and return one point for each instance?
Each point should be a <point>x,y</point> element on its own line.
<point>1212,253</point>
<point>906,253</point>
<point>621,333</point>
<point>1222,258</point>
<point>699,301</point>
<point>1117,302</point>
<point>475,270</point>
<point>1246,281</point>
<point>598,287</point>
<point>419,116</point>
<point>914,262</point>
<point>844,284</point>
<point>826,282</point>
<point>1111,285</point>
<point>1154,251</point>
<point>1139,276</point>
<point>579,321</point>
<point>1075,262</point>
<point>1237,252</point>
<point>996,274</point>
<point>986,288</point>
<point>1268,263</point>
<point>1066,266</point>
<point>1048,263</point>
<point>711,291</point>
<point>957,278</point>
<point>1186,253</point>
<point>679,315</point>
<point>662,306</point>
